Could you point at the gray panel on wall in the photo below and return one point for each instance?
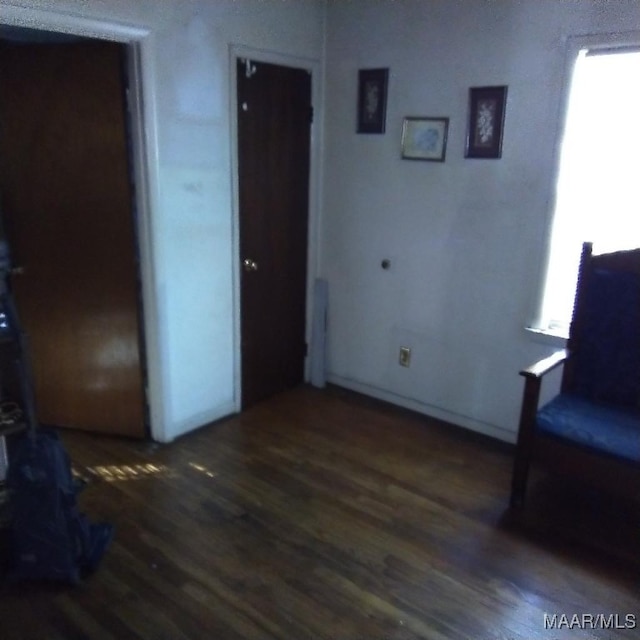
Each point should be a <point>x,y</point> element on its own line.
<point>319,333</point>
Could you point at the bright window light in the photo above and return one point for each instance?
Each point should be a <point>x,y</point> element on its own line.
<point>598,190</point>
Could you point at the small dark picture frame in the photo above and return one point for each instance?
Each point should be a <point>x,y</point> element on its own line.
<point>487,106</point>
<point>372,100</point>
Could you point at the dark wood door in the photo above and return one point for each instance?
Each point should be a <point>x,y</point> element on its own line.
<point>274,120</point>
<point>67,209</point>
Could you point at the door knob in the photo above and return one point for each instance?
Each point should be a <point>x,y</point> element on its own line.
<point>250,265</point>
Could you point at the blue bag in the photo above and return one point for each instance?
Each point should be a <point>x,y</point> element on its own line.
<point>49,538</point>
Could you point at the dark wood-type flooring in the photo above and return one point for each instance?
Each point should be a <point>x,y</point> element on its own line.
<point>326,515</point>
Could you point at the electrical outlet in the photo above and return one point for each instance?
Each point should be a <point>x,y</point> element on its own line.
<point>405,356</point>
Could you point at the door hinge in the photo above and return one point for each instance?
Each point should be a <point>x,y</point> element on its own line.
<point>249,68</point>
<point>311,114</point>
<point>306,349</point>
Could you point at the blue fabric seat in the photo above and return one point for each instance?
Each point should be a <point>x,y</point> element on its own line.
<point>602,427</point>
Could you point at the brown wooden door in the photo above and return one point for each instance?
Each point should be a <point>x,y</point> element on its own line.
<point>67,202</point>
<point>274,119</point>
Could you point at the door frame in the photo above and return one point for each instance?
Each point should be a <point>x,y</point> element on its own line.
<point>144,151</point>
<point>313,66</point>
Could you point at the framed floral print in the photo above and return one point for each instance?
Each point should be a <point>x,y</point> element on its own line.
<point>487,107</point>
<point>372,100</point>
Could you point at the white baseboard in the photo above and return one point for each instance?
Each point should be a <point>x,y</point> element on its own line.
<point>432,411</point>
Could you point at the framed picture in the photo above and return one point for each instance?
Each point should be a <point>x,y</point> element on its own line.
<point>486,121</point>
<point>372,100</point>
<point>425,138</point>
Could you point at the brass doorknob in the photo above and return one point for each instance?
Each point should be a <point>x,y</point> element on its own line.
<point>249,265</point>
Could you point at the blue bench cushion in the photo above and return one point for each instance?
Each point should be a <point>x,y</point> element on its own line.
<point>614,430</point>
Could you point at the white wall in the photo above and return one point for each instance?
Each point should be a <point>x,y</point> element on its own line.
<point>190,298</point>
<point>466,238</point>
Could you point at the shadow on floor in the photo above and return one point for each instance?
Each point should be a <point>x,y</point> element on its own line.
<point>579,521</point>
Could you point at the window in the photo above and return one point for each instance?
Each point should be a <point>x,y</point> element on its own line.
<point>598,189</point>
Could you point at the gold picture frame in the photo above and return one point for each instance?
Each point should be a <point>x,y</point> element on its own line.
<point>425,138</point>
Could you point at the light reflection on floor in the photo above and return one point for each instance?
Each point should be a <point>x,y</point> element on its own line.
<point>202,469</point>
<point>139,471</point>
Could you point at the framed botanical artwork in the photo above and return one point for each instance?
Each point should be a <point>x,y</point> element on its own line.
<point>372,100</point>
<point>487,107</point>
<point>425,138</point>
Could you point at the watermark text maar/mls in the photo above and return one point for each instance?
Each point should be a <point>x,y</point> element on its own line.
<point>590,621</point>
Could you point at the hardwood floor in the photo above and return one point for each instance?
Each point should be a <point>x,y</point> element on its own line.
<point>326,515</point>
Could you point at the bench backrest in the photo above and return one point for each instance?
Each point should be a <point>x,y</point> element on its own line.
<point>605,329</point>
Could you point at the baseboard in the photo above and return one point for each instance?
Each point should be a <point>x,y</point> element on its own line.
<point>426,409</point>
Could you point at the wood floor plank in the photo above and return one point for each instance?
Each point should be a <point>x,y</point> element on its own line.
<point>324,515</point>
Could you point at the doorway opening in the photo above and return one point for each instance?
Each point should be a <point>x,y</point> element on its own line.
<point>68,208</point>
